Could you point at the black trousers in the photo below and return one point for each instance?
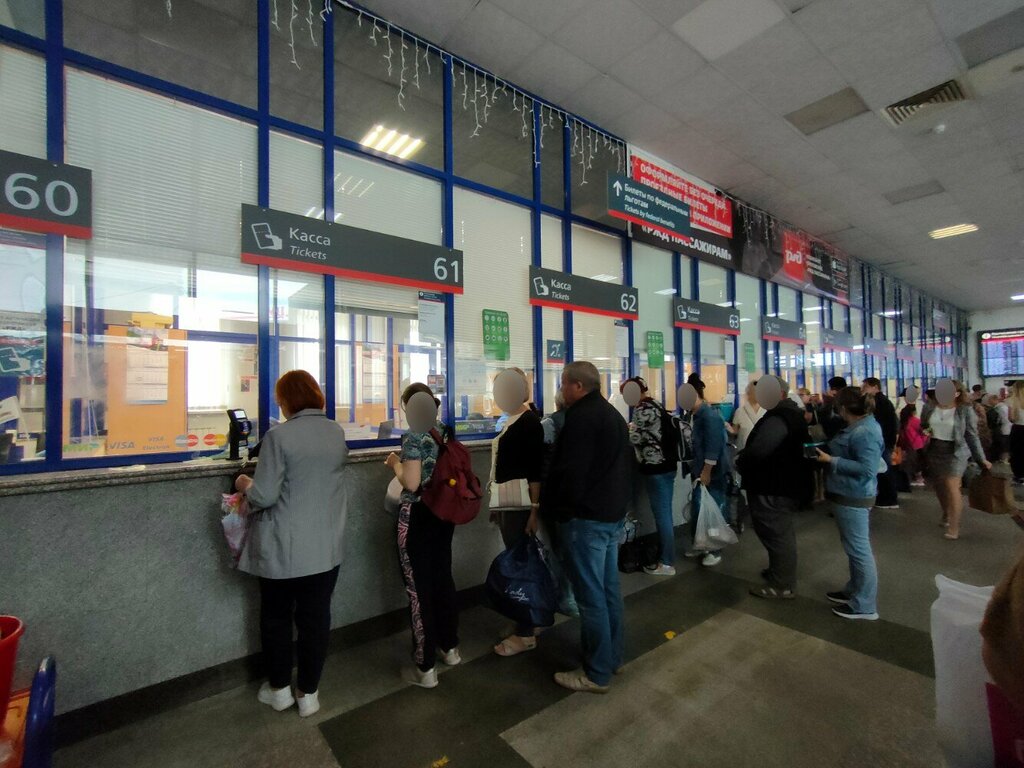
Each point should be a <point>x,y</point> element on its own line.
<point>887,494</point>
<point>425,554</point>
<point>773,519</point>
<point>304,603</point>
<point>1017,450</point>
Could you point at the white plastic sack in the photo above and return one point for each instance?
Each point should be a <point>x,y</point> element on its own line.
<point>393,497</point>
<point>961,706</point>
<point>713,532</point>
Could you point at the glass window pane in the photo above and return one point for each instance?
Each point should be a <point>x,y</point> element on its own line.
<point>601,340</point>
<point>26,16</point>
<point>23,95</point>
<point>209,47</point>
<point>814,356</point>
<point>492,133</point>
<point>787,309</point>
<point>495,237</point>
<point>858,362</point>
<point>371,195</point>
<point>22,346</point>
<point>552,158</point>
<point>592,157</point>
<point>652,277</point>
<point>386,87</point>
<point>748,302</point>
<point>149,299</point>
<point>296,176</point>
<point>553,319</point>
<point>297,63</point>
<point>716,349</point>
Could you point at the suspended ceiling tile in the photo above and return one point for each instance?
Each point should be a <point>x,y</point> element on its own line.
<point>827,111</point>
<point>667,12</point>
<point>776,49</point>
<point>650,69</point>
<point>863,136</point>
<point>554,73</point>
<point>831,23</point>
<point>644,124</point>
<point>741,173</point>
<point>914,74</point>
<point>700,93</point>
<point>886,47</point>
<point>795,86</point>
<point>542,15</point>
<point>603,99</point>
<point>993,38</point>
<point>494,39</point>
<point>606,31</point>
<point>716,27</point>
<point>956,16</point>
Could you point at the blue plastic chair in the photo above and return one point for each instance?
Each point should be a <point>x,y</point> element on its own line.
<point>39,722</point>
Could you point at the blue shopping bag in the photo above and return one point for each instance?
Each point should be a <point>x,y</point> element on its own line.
<point>520,585</point>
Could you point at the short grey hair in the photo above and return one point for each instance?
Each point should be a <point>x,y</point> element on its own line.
<point>584,373</point>
<point>784,385</point>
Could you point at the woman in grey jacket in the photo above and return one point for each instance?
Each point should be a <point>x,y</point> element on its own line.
<point>294,544</point>
<point>953,429</point>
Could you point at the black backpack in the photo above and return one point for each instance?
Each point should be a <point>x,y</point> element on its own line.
<point>671,435</point>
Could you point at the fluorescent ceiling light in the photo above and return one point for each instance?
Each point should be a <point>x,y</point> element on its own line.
<point>604,278</point>
<point>891,313</point>
<point>1018,297</point>
<point>391,142</point>
<point>813,322</point>
<point>958,229</point>
<point>811,309</point>
<point>666,292</point>
<point>725,304</point>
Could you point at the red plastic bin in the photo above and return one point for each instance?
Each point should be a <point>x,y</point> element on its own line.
<point>11,630</point>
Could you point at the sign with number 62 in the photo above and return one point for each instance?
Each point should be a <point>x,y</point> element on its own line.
<point>39,196</point>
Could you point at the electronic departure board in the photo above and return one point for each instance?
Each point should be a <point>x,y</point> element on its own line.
<point>1002,352</point>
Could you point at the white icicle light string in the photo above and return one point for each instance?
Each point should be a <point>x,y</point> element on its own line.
<point>586,139</point>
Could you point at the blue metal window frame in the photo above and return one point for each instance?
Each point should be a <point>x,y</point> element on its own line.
<point>57,57</point>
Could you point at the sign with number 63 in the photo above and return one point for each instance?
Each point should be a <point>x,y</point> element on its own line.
<point>39,196</point>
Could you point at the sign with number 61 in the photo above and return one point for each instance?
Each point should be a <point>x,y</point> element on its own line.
<point>39,196</point>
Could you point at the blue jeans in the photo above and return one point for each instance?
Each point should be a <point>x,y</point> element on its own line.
<point>719,492</point>
<point>659,492</point>
<point>593,549</point>
<point>854,531</point>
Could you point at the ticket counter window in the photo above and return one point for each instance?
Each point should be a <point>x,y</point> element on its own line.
<point>653,333</point>
<point>386,339</point>
<point>596,338</point>
<point>814,356</point>
<point>493,317</point>
<point>22,347</point>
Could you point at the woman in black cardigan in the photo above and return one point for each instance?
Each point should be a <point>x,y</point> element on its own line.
<point>517,461</point>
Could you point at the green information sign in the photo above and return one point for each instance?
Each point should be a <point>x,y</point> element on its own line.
<point>497,345</point>
<point>655,349</point>
<point>749,358</point>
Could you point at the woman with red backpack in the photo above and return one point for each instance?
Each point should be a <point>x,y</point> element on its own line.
<point>425,542</point>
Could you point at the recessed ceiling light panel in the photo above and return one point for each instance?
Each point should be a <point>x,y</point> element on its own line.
<point>958,229</point>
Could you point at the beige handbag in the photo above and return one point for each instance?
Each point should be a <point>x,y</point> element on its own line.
<point>512,494</point>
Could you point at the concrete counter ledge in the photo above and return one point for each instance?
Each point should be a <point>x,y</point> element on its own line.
<point>48,482</point>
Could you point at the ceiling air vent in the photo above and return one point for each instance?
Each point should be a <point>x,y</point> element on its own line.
<point>949,92</point>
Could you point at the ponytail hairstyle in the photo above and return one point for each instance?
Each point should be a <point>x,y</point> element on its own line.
<point>909,411</point>
<point>855,402</point>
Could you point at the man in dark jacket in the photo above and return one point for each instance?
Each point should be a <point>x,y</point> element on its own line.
<point>588,491</point>
<point>776,476</point>
<point>885,415</point>
<point>828,415</point>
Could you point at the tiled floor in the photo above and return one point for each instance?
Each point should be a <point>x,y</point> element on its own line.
<point>743,681</point>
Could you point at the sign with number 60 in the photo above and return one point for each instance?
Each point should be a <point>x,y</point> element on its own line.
<point>39,196</point>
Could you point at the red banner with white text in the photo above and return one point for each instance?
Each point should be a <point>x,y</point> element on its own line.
<point>709,210</point>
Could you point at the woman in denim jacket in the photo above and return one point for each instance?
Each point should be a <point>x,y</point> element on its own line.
<point>854,457</point>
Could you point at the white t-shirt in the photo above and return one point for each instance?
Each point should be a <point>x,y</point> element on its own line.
<point>942,422</point>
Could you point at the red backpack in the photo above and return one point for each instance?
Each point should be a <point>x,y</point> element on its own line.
<point>453,492</point>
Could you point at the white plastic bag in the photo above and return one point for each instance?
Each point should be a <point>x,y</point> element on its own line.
<point>961,707</point>
<point>713,532</point>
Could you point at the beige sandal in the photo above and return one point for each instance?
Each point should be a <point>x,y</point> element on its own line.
<point>514,645</point>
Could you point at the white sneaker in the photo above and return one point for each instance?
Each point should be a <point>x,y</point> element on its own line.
<point>278,700</point>
<point>426,679</point>
<point>660,570</point>
<point>309,704</point>
<point>451,658</point>
<point>711,559</point>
